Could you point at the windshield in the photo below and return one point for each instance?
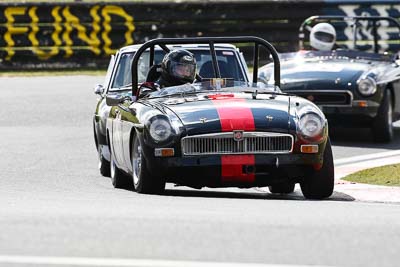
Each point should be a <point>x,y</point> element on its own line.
<point>216,85</point>
<point>334,54</point>
<point>228,63</point>
<point>294,62</point>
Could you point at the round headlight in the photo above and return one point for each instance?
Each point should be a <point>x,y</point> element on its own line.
<point>367,86</point>
<point>160,130</point>
<point>310,125</point>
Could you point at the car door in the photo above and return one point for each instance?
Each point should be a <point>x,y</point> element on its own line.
<point>120,80</point>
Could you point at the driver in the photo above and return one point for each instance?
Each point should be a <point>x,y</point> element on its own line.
<point>178,67</point>
<point>323,37</point>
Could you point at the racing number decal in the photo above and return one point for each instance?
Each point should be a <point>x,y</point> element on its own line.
<point>235,115</point>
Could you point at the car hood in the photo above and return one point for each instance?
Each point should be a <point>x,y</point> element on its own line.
<point>228,111</point>
<point>324,74</point>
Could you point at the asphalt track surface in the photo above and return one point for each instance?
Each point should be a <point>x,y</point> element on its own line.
<point>56,209</point>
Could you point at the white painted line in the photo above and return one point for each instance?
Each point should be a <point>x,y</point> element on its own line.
<point>84,261</point>
<point>355,159</point>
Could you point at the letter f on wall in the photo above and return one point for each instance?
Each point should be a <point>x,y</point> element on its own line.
<point>9,13</point>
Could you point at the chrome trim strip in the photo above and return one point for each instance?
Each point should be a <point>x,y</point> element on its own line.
<point>138,125</point>
<point>227,140</point>
<point>325,91</point>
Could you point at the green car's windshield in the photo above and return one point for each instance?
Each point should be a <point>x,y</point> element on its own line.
<point>216,85</point>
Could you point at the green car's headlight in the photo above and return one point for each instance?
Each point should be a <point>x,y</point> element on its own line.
<point>160,129</point>
<point>367,86</point>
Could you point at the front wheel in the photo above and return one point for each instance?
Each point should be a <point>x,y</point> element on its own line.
<point>143,181</point>
<point>319,184</point>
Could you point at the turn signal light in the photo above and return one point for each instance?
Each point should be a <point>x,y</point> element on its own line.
<point>309,149</point>
<point>360,103</point>
<point>164,152</point>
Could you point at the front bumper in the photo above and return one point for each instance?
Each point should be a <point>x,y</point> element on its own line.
<point>234,170</point>
<point>354,116</point>
<point>344,107</point>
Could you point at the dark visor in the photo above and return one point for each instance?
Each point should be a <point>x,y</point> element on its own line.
<point>183,70</point>
<point>325,37</point>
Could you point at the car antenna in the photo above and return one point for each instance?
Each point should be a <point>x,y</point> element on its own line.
<point>273,95</point>
<point>254,94</point>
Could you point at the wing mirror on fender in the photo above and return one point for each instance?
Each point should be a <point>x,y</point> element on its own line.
<point>116,99</point>
<point>99,89</point>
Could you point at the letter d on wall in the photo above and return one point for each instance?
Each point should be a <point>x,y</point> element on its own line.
<point>118,11</point>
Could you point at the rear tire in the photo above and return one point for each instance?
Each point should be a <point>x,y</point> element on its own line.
<point>382,128</point>
<point>319,184</point>
<point>104,165</point>
<point>283,188</point>
<point>143,181</point>
<point>118,178</point>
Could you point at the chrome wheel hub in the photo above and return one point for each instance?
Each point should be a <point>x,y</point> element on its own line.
<point>100,157</point>
<point>390,119</point>
<point>137,164</point>
<point>112,168</point>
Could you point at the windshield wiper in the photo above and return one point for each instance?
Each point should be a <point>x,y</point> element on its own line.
<point>121,88</point>
<point>125,86</point>
<point>182,94</point>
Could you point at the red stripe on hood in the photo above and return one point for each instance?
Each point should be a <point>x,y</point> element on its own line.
<point>234,114</point>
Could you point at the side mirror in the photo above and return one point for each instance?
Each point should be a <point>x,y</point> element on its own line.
<point>115,100</point>
<point>99,89</point>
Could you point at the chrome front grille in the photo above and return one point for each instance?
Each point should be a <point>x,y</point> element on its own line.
<point>224,143</point>
<point>333,98</point>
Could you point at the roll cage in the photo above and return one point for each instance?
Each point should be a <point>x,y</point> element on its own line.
<point>355,20</point>
<point>210,41</point>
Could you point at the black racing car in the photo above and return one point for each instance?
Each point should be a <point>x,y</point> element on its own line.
<point>217,132</point>
<point>358,83</point>
<point>118,79</point>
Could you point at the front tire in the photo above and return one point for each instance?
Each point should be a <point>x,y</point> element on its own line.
<point>104,165</point>
<point>382,128</point>
<point>319,184</point>
<point>143,181</point>
<point>118,178</point>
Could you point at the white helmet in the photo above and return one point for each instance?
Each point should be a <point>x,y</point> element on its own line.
<point>323,36</point>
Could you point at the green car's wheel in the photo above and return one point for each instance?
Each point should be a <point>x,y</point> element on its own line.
<point>104,165</point>
<point>319,184</point>
<point>143,181</point>
<point>118,178</point>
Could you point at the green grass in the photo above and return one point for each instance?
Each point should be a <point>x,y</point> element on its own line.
<point>387,175</point>
<point>29,73</point>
